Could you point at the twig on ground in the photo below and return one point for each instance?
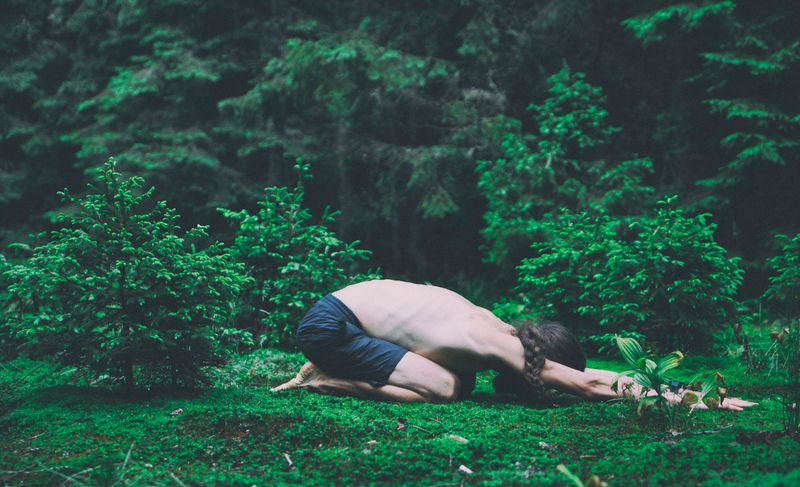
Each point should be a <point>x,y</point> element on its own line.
<point>292,466</point>
<point>176,479</point>
<point>421,429</point>
<point>72,479</point>
<point>124,466</point>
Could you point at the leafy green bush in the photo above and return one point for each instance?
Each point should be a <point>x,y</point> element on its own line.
<point>562,165</point>
<point>783,293</point>
<point>664,276</point>
<point>121,289</point>
<point>295,262</point>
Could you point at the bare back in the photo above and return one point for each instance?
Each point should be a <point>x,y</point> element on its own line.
<point>431,321</point>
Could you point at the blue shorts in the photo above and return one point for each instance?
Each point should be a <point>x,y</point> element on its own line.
<point>331,336</point>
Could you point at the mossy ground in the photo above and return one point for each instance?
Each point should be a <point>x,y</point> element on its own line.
<point>55,429</point>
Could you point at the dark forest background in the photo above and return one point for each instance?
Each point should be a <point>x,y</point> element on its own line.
<point>395,104</point>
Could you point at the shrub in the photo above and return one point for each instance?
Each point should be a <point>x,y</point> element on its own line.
<point>663,275</point>
<point>561,165</point>
<point>120,288</point>
<point>783,293</point>
<point>294,261</point>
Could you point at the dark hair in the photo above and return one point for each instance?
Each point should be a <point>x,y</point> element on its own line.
<point>547,340</point>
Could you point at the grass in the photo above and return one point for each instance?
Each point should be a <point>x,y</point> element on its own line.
<point>56,429</point>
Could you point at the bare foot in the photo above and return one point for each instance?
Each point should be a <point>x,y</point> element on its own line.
<point>308,372</point>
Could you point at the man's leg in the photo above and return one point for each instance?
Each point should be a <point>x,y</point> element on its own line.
<point>415,379</point>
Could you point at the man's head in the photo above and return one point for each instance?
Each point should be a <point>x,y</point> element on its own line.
<point>557,343</point>
<point>546,340</point>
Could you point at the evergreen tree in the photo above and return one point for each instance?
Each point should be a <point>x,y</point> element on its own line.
<point>741,57</point>
<point>662,275</point>
<point>783,292</point>
<point>563,165</point>
<point>121,291</point>
<point>294,261</point>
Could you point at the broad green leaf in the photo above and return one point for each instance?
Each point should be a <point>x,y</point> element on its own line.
<point>643,380</point>
<point>630,349</point>
<point>669,362</point>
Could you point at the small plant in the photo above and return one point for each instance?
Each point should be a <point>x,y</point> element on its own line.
<point>659,393</point>
<point>650,376</point>
<point>121,289</point>
<point>711,392</point>
<point>294,262</point>
<point>779,352</point>
<point>593,481</point>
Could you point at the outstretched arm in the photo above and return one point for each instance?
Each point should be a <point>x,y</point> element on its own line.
<point>595,385</point>
<point>592,384</point>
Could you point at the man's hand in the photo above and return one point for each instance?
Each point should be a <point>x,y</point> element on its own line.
<point>729,403</point>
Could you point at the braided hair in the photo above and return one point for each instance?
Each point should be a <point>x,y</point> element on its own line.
<point>534,362</point>
<point>548,340</point>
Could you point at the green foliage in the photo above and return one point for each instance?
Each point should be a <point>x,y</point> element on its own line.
<point>740,127</point>
<point>352,102</point>
<point>650,376</point>
<point>294,261</point>
<point>783,293</point>
<point>654,392</point>
<point>647,27</point>
<point>395,102</point>
<point>662,275</point>
<point>561,166</point>
<point>167,68</point>
<point>777,352</point>
<point>606,343</point>
<point>120,290</point>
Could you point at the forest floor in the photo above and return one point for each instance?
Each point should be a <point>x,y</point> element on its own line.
<point>55,429</point>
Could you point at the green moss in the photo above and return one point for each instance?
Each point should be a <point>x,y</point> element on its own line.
<point>237,433</point>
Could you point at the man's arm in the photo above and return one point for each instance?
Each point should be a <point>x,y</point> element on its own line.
<point>595,385</point>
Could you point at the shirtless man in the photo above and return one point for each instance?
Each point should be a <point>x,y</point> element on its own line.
<point>407,342</point>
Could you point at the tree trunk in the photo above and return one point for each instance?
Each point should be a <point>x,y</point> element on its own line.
<point>343,192</point>
<point>127,371</point>
<point>127,362</point>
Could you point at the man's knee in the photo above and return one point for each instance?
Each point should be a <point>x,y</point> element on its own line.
<point>445,387</point>
<point>428,379</point>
